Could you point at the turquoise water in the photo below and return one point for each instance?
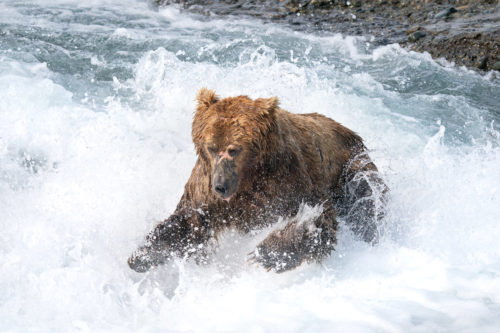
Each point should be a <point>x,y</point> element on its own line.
<point>96,103</point>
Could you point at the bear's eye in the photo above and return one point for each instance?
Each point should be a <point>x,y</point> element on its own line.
<point>233,152</point>
<point>212,150</point>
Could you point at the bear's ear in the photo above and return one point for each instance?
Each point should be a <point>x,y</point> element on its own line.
<point>267,105</point>
<point>206,98</point>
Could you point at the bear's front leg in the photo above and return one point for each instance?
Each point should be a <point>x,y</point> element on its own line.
<point>178,235</point>
<point>299,241</point>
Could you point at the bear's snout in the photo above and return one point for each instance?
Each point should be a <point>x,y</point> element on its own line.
<point>225,179</point>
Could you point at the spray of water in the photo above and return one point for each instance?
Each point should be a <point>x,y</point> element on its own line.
<point>95,115</point>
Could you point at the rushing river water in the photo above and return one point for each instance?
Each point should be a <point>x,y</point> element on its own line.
<point>96,103</point>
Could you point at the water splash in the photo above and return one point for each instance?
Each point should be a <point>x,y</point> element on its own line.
<point>97,101</point>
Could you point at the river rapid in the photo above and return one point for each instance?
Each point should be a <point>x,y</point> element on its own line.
<point>96,104</point>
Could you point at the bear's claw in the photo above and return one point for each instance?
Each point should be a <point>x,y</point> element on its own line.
<point>270,260</point>
<point>251,258</point>
<point>144,258</point>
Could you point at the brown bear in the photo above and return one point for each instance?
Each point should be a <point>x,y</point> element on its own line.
<point>257,163</point>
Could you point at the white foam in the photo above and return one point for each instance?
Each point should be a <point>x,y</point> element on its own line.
<point>81,184</point>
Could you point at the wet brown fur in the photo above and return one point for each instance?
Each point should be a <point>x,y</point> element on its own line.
<point>284,160</point>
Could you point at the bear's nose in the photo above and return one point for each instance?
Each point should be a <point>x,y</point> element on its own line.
<point>221,189</point>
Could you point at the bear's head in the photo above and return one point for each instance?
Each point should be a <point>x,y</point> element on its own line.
<point>232,136</point>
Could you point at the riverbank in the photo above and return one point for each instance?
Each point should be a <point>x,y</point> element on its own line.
<point>465,32</point>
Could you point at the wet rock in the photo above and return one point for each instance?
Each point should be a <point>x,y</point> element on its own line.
<point>481,63</point>
<point>496,66</point>
<point>445,13</point>
<point>413,29</point>
<point>414,36</point>
<point>357,3</point>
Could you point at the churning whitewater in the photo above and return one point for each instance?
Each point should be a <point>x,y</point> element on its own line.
<point>96,104</point>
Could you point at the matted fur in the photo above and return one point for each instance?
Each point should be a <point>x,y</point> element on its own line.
<point>283,160</point>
